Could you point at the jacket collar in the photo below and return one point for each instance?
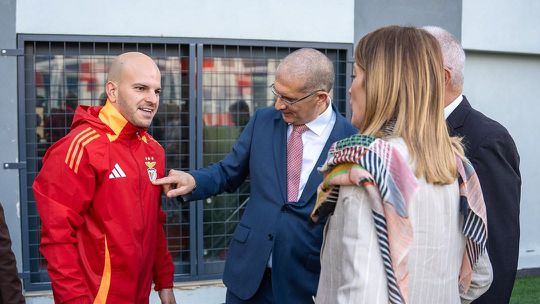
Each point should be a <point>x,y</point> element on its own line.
<point>110,116</point>
<point>280,153</point>
<point>458,116</point>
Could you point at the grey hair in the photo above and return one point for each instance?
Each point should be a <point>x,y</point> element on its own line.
<point>310,65</point>
<point>453,54</point>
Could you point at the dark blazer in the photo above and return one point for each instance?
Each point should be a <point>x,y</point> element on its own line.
<point>494,156</point>
<point>10,284</point>
<point>270,223</point>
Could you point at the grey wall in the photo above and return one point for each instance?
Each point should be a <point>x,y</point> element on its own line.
<point>505,87</point>
<point>502,25</point>
<point>9,179</point>
<point>502,43</point>
<point>372,14</point>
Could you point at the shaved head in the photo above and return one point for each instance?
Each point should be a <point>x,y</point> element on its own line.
<point>309,65</point>
<point>128,61</point>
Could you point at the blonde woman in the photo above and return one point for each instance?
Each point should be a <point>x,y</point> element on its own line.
<point>407,220</point>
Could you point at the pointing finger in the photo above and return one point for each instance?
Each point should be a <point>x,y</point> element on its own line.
<point>166,180</point>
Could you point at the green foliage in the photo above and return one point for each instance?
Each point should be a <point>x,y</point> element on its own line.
<point>526,291</point>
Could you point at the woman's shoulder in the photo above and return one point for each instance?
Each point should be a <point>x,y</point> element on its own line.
<point>399,144</point>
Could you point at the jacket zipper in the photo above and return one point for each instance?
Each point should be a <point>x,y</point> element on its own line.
<point>139,196</point>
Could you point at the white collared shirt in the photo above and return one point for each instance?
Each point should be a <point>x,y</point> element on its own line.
<point>314,140</point>
<point>452,106</point>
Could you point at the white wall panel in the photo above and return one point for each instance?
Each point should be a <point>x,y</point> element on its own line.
<point>292,20</point>
<point>501,25</point>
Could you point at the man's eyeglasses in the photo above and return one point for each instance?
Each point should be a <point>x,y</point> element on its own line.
<point>290,101</point>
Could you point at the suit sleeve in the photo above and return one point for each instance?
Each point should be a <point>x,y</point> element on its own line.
<point>63,191</point>
<point>163,268</point>
<point>229,173</point>
<point>496,162</point>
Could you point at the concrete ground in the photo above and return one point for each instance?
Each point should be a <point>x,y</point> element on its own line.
<point>211,293</point>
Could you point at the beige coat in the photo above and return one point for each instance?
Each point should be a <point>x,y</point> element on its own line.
<point>352,269</point>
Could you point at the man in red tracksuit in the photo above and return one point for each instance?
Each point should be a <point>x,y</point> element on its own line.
<point>102,223</point>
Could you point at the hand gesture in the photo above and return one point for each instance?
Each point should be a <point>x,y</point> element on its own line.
<point>176,184</point>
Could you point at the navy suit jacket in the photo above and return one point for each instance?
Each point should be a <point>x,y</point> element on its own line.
<point>494,156</point>
<point>270,224</point>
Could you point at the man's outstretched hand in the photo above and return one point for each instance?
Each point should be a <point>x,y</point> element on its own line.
<point>176,183</point>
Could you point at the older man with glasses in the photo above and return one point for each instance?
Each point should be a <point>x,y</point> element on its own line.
<point>273,256</point>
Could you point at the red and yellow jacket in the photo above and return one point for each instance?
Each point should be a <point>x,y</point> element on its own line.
<point>102,222</point>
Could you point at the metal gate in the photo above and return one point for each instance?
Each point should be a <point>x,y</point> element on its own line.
<point>210,88</point>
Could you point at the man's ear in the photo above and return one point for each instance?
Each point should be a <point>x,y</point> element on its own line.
<point>111,89</point>
<point>447,76</point>
<point>323,97</point>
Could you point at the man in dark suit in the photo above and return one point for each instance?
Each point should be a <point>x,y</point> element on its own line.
<point>494,155</point>
<point>274,253</point>
<point>10,284</point>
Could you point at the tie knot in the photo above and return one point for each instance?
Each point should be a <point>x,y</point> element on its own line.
<point>300,129</point>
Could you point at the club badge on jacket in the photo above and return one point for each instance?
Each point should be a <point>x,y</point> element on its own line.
<point>150,164</point>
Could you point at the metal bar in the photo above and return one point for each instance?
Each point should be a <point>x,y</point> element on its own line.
<point>237,210</point>
<point>199,153</point>
<point>193,231</point>
<point>12,52</point>
<point>25,233</point>
<point>15,166</point>
<point>349,59</point>
<point>176,40</point>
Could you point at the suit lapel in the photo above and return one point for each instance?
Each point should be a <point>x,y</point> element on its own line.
<point>315,178</point>
<point>279,138</point>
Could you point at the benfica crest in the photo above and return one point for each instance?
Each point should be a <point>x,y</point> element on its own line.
<point>150,164</point>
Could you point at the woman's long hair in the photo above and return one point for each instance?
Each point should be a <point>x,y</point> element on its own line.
<point>404,81</point>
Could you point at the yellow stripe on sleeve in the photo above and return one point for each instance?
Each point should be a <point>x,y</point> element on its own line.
<point>81,151</point>
<point>74,141</point>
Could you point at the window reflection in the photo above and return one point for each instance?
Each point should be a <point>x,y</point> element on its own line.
<point>233,88</point>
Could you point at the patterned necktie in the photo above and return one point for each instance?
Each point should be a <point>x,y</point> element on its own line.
<point>295,149</point>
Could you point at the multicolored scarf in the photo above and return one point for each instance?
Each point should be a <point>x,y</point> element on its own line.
<point>380,169</point>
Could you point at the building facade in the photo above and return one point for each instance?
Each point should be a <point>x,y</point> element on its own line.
<point>55,56</point>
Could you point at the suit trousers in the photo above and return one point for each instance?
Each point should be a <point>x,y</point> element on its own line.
<point>262,296</point>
